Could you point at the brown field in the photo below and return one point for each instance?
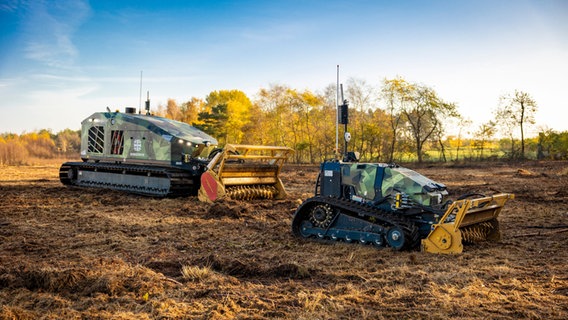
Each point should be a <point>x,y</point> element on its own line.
<point>95,254</point>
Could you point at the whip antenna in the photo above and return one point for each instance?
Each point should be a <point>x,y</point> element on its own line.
<point>337,113</point>
<point>140,99</point>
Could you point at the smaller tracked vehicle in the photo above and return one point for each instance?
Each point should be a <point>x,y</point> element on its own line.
<point>390,206</point>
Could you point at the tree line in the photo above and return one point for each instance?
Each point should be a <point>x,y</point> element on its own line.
<point>399,121</point>
<point>22,149</point>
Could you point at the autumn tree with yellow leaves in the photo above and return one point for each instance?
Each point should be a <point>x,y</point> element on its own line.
<point>397,121</point>
<point>227,114</point>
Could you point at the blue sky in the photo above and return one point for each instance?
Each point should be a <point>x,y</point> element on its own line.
<point>60,61</point>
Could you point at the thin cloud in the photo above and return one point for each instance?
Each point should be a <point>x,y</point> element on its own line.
<point>50,26</point>
<point>9,5</point>
<point>275,32</point>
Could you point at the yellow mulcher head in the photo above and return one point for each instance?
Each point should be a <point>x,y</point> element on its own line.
<point>466,220</point>
<point>245,172</point>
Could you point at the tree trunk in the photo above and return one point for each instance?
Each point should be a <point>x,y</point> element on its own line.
<point>458,149</point>
<point>522,131</point>
<point>419,150</point>
<point>443,149</point>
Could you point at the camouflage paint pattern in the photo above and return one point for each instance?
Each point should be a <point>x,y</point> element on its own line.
<point>373,181</point>
<point>420,189</point>
<point>362,177</point>
<point>144,139</point>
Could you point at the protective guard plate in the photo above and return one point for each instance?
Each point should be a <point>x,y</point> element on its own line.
<point>467,219</point>
<point>245,172</point>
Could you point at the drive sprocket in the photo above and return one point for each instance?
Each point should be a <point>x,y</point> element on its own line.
<point>321,215</point>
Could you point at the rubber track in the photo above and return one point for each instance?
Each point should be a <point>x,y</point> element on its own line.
<point>359,210</point>
<point>182,183</point>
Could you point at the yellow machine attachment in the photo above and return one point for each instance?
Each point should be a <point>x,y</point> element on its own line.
<point>245,172</point>
<point>466,220</point>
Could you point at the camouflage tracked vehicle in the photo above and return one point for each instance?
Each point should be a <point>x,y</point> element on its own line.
<point>154,156</point>
<point>392,206</point>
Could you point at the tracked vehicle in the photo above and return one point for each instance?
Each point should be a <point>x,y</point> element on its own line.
<point>155,156</point>
<point>390,206</point>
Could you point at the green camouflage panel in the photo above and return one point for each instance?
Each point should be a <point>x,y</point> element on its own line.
<point>373,181</point>
<point>141,138</point>
<point>361,177</point>
<point>419,188</point>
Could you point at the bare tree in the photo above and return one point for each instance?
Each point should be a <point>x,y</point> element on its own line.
<point>425,115</point>
<point>462,123</point>
<point>485,132</point>
<point>396,93</point>
<point>361,98</point>
<point>514,111</point>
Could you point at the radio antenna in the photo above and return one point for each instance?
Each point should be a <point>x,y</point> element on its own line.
<point>344,118</point>
<point>148,103</point>
<point>337,114</point>
<point>140,99</point>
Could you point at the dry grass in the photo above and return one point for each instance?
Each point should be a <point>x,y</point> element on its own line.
<point>75,253</point>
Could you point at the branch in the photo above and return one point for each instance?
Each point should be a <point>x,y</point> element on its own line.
<point>534,234</point>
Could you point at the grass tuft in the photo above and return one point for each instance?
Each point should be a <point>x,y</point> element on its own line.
<point>196,273</point>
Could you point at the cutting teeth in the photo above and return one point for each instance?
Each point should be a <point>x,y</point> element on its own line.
<point>477,232</point>
<point>251,192</point>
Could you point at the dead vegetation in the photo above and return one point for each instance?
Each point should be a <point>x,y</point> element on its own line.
<point>75,253</point>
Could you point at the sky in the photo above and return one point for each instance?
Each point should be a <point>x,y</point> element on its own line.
<point>61,61</point>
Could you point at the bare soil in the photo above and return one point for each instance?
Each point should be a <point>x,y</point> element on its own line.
<point>96,254</point>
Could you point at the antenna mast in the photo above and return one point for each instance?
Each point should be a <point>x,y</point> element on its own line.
<point>140,99</point>
<point>148,103</point>
<point>337,114</point>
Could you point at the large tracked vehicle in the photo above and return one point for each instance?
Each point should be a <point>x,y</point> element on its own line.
<point>155,156</point>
